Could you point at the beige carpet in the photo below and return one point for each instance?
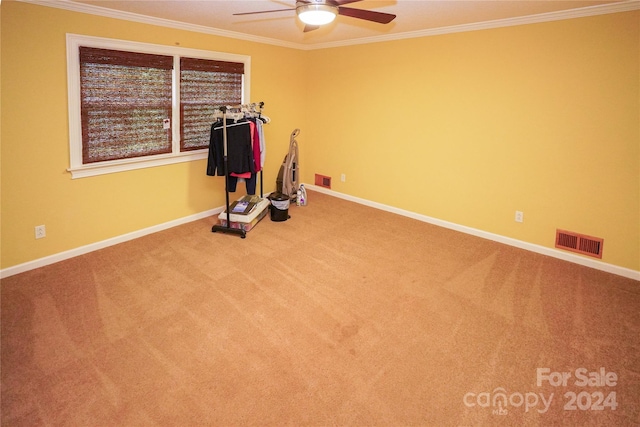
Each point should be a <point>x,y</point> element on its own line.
<point>342,315</point>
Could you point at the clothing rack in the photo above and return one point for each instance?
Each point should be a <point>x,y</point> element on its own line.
<point>235,112</point>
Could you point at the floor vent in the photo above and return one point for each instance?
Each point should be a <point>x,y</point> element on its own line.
<point>574,242</point>
<point>323,181</point>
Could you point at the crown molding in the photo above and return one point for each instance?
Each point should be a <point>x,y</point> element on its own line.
<point>168,23</point>
<point>623,6</point>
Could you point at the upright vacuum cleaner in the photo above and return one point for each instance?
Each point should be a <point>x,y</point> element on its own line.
<point>287,181</point>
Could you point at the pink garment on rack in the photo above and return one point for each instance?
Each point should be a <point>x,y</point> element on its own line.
<point>255,135</point>
<point>241,175</point>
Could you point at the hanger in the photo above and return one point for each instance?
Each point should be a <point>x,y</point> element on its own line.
<point>242,111</point>
<point>230,116</point>
<point>230,125</point>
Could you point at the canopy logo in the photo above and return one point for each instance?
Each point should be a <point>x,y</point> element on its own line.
<point>597,398</point>
<point>499,400</point>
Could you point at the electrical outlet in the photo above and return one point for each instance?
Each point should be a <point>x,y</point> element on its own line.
<point>343,177</point>
<point>519,216</point>
<point>40,232</point>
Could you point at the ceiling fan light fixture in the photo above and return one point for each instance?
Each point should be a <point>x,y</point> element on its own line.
<point>317,14</point>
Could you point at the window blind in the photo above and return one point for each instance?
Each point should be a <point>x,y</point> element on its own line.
<point>125,97</point>
<point>204,85</point>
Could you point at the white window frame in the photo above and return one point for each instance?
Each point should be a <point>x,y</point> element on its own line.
<point>80,170</point>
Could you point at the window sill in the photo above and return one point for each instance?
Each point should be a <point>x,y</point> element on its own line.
<point>133,164</point>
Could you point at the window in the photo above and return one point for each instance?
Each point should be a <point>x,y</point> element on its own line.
<point>135,105</point>
<point>125,99</point>
<point>205,84</point>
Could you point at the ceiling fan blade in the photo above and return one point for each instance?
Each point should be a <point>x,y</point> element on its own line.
<point>368,15</point>
<point>262,11</point>
<point>341,2</point>
<point>328,2</point>
<point>308,28</point>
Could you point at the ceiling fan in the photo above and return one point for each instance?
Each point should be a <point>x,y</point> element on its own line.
<point>315,13</point>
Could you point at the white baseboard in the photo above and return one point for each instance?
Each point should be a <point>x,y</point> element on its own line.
<point>31,265</point>
<point>576,259</point>
<point>598,265</point>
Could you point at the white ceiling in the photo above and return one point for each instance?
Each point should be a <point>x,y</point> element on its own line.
<point>414,17</point>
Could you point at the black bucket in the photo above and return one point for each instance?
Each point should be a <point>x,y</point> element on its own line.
<point>279,207</point>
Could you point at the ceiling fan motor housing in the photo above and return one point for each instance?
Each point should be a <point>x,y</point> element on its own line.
<point>316,12</point>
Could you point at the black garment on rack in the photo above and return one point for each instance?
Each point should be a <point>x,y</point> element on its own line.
<point>250,183</point>
<point>239,149</point>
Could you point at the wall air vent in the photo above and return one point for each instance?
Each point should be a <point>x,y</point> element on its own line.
<point>579,243</point>
<point>323,181</point>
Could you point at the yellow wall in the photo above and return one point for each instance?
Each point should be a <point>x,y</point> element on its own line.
<point>36,189</point>
<point>464,127</point>
<point>470,127</point>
